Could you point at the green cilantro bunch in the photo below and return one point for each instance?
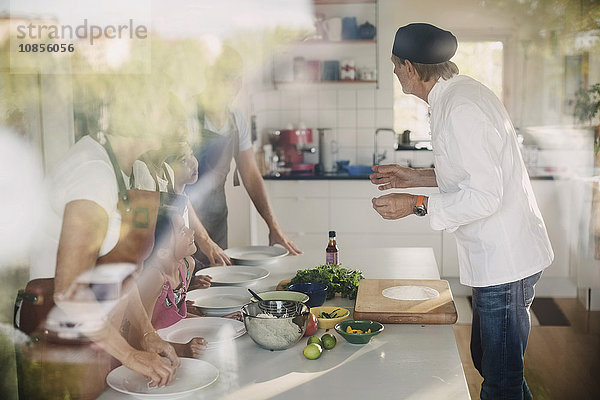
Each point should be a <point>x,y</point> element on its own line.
<point>338,279</point>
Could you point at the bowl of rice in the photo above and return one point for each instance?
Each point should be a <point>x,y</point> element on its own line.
<point>276,324</point>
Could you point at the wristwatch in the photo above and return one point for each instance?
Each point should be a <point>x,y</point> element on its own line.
<point>420,208</point>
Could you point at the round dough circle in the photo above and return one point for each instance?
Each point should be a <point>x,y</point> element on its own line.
<point>410,293</point>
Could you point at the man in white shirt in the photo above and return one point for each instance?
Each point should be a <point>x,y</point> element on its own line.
<point>485,199</point>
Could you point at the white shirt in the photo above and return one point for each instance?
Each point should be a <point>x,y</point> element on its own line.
<point>485,196</point>
<point>84,173</point>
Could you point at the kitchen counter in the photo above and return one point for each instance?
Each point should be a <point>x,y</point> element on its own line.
<point>314,176</point>
<point>404,361</point>
<point>288,176</point>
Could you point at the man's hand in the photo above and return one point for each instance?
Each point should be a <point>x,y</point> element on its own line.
<point>153,343</point>
<point>394,205</point>
<point>392,176</point>
<point>276,236</point>
<point>152,366</point>
<point>213,252</point>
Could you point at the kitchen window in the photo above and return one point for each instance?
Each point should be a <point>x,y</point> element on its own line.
<point>481,60</point>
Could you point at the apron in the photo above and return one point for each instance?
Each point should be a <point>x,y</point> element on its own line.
<point>54,367</point>
<point>214,155</point>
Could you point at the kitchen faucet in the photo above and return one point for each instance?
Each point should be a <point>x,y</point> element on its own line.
<point>376,156</point>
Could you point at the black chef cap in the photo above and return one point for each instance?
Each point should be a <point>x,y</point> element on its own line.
<point>424,44</point>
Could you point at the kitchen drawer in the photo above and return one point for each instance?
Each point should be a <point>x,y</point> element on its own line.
<point>302,214</point>
<point>358,216</point>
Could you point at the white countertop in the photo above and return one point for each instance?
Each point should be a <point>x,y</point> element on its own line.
<point>403,362</point>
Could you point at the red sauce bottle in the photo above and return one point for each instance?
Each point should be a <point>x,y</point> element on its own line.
<point>332,253</point>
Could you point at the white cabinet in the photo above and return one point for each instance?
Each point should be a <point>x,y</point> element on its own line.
<point>307,210</point>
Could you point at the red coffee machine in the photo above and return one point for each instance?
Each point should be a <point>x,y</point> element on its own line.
<point>293,143</point>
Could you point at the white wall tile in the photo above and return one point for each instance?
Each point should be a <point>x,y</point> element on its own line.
<point>268,119</point>
<point>364,155</point>
<point>347,153</point>
<point>272,100</point>
<point>365,118</point>
<point>384,118</point>
<point>259,101</point>
<point>327,99</point>
<point>386,141</point>
<point>384,98</point>
<point>290,117</point>
<point>290,99</point>
<point>309,99</point>
<point>346,118</point>
<point>310,118</point>
<point>364,136</point>
<point>365,99</point>
<point>346,137</point>
<point>346,99</point>
<point>327,118</point>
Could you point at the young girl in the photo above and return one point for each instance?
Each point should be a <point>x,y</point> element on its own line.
<point>166,276</point>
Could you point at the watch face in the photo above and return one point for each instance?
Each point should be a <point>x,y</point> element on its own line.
<point>420,211</point>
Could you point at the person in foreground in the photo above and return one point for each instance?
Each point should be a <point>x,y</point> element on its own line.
<point>485,199</point>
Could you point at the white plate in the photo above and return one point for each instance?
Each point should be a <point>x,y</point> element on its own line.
<point>256,255</point>
<point>191,375</point>
<point>218,301</point>
<point>237,275</point>
<point>216,331</point>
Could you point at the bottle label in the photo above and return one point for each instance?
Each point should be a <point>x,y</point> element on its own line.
<point>332,258</point>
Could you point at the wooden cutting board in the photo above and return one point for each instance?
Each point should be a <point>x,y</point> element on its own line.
<point>372,304</point>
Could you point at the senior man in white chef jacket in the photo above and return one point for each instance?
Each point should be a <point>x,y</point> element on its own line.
<point>485,199</point>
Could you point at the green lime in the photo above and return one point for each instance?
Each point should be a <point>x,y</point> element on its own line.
<point>329,341</point>
<point>314,339</point>
<point>313,351</point>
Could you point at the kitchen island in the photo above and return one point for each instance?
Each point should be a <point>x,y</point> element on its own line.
<point>403,362</point>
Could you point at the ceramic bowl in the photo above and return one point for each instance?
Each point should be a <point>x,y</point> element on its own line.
<point>317,292</point>
<point>363,325</point>
<point>342,314</point>
<point>282,295</point>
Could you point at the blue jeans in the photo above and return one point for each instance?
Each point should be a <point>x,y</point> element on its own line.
<point>501,324</point>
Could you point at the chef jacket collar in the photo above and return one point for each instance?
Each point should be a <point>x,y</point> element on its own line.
<point>436,91</point>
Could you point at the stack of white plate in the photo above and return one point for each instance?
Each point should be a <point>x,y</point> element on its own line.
<point>216,331</point>
<point>219,301</point>
<point>235,275</point>
<point>256,255</point>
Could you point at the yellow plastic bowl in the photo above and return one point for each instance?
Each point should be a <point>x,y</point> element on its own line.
<point>329,323</point>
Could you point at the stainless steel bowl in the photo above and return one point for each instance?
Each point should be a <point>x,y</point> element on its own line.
<point>276,324</point>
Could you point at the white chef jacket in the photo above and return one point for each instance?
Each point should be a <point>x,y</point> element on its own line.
<point>485,196</point>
